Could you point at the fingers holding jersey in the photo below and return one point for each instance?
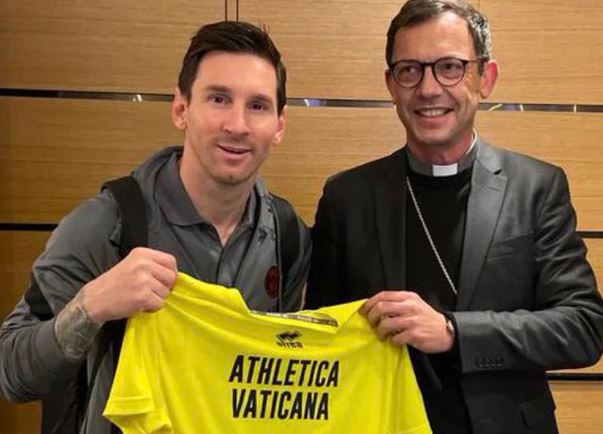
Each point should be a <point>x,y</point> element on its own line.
<point>140,282</point>
<point>162,274</point>
<point>388,303</point>
<point>406,318</point>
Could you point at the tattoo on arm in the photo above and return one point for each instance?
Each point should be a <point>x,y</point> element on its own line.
<point>74,330</point>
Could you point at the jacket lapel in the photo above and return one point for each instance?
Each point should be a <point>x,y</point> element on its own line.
<point>483,208</point>
<point>390,210</point>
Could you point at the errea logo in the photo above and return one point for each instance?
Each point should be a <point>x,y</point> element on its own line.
<point>289,339</point>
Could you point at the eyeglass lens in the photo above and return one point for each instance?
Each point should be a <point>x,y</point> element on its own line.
<point>447,71</point>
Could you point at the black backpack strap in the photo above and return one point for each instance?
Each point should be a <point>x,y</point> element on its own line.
<point>134,225</point>
<point>288,240</point>
<point>134,233</point>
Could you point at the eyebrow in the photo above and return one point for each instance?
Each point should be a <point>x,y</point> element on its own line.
<point>216,88</point>
<point>224,89</point>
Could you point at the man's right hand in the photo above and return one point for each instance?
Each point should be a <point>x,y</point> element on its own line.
<point>140,282</point>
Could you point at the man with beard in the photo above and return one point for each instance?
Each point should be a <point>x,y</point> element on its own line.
<point>209,215</point>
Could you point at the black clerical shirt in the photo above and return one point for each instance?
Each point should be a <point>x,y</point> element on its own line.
<point>443,203</point>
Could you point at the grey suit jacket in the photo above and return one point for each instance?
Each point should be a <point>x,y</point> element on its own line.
<point>527,299</point>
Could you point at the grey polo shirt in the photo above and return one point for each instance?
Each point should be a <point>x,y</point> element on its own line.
<point>210,262</point>
<point>85,245</point>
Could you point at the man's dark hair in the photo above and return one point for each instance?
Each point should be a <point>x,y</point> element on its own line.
<point>232,37</point>
<point>419,11</point>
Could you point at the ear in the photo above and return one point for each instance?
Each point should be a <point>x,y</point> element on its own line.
<point>179,110</point>
<point>391,85</point>
<point>282,123</point>
<point>489,78</point>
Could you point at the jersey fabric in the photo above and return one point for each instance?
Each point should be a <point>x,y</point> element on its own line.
<point>207,364</point>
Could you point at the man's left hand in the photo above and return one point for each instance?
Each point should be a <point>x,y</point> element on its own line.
<point>406,318</point>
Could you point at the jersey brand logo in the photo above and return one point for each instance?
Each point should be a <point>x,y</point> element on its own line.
<point>289,339</point>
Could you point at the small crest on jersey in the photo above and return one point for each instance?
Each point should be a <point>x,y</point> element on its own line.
<point>271,282</point>
<point>289,339</point>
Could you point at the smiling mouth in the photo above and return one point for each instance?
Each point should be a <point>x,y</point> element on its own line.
<point>233,150</point>
<point>432,112</point>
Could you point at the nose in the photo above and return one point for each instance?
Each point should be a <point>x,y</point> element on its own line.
<point>429,86</point>
<point>235,121</point>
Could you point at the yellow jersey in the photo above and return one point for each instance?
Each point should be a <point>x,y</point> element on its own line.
<point>207,364</point>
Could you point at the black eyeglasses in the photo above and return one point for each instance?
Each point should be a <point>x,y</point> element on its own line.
<point>447,71</point>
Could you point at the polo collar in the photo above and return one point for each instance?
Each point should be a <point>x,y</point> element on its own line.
<point>176,203</point>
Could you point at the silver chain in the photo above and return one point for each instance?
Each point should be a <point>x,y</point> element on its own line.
<point>428,234</point>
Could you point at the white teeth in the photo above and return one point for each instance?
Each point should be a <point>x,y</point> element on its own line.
<point>432,112</point>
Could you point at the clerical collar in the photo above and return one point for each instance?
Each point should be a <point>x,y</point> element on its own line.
<point>437,170</point>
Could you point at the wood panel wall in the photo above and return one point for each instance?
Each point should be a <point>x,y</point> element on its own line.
<point>86,142</point>
<point>111,45</point>
<point>58,151</point>
<point>550,51</point>
<point>578,406</point>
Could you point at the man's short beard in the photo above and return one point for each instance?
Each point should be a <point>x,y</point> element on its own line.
<point>232,181</point>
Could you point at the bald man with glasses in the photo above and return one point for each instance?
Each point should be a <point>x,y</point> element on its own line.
<point>466,252</point>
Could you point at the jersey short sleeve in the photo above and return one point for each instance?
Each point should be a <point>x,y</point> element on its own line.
<point>136,401</point>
